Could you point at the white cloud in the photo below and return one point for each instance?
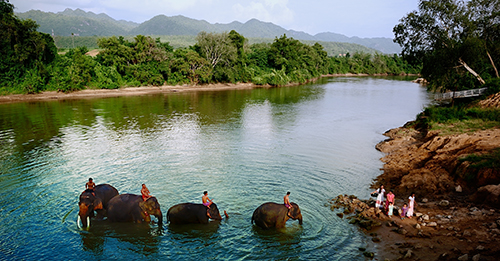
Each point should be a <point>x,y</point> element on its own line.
<point>275,11</point>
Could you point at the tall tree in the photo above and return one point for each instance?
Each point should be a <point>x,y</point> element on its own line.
<point>21,46</point>
<point>449,37</point>
<point>216,47</point>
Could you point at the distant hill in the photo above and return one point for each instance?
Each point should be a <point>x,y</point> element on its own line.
<point>83,23</point>
<point>78,22</point>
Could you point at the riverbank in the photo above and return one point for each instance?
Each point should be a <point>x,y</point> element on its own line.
<point>148,90</point>
<point>458,207</point>
<point>128,91</point>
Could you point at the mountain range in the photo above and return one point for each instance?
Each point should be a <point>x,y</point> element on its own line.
<point>80,23</point>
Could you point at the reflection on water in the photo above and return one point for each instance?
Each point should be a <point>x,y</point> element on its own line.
<point>245,147</point>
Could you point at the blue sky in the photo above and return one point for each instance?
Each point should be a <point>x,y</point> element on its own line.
<point>362,18</point>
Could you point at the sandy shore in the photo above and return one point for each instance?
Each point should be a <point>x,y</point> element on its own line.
<point>129,91</point>
<point>147,90</point>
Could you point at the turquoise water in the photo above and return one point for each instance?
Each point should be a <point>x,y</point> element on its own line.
<point>245,147</point>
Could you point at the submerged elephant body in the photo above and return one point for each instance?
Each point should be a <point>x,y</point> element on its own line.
<point>95,201</point>
<point>130,207</point>
<point>191,213</point>
<point>274,215</point>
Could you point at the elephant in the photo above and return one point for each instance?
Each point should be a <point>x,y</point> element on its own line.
<point>131,207</point>
<point>270,214</point>
<point>192,213</point>
<point>95,200</point>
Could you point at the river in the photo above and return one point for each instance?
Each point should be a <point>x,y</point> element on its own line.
<point>245,147</point>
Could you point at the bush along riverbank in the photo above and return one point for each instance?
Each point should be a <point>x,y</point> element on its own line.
<point>449,157</point>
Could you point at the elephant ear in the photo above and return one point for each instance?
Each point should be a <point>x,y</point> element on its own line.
<point>97,203</point>
<point>142,205</point>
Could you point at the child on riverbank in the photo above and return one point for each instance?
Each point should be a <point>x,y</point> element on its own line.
<point>404,209</point>
<point>391,209</point>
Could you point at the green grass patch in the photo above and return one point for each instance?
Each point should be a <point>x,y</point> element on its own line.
<point>465,126</point>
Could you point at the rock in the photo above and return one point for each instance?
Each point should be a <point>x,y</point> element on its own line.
<point>340,215</point>
<point>418,214</point>
<point>444,203</point>
<point>450,228</point>
<point>417,246</point>
<point>493,225</point>
<point>489,195</point>
<point>362,249</point>
<point>375,239</point>
<point>424,200</point>
<point>476,257</point>
<point>495,231</point>
<point>498,222</point>
<point>408,254</point>
<point>417,226</point>
<point>458,188</point>
<point>463,258</point>
<point>425,217</point>
<point>368,254</point>
<point>432,224</point>
<point>480,248</point>
<point>466,233</point>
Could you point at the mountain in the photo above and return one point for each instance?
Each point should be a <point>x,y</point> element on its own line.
<point>83,23</point>
<point>77,22</point>
<point>385,45</point>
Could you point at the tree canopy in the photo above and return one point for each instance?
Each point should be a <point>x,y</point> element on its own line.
<point>457,41</point>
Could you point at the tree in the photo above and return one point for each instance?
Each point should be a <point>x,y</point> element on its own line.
<point>22,48</point>
<point>453,39</point>
<point>216,48</point>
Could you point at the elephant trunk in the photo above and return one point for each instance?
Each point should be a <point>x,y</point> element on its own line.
<point>159,216</point>
<point>84,215</point>
<point>300,219</point>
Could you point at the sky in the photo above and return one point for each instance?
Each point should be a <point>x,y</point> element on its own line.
<point>362,18</point>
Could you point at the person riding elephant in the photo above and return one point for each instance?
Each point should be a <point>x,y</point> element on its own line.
<point>192,213</point>
<point>271,214</point>
<point>95,200</point>
<point>131,207</point>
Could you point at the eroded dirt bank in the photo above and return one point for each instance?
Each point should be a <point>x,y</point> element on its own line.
<point>457,216</point>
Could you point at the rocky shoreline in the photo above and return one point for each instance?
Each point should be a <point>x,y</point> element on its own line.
<point>457,213</point>
<point>440,230</point>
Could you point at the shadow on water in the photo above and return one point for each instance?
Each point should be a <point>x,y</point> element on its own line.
<point>144,237</point>
<point>202,231</point>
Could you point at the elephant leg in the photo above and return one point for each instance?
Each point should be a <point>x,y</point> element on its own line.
<point>101,213</point>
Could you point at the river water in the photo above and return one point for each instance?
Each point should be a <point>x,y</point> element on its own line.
<point>245,147</point>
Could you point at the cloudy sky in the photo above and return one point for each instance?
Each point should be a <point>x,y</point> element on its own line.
<point>362,18</point>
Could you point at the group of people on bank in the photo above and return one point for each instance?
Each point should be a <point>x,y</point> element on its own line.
<point>386,203</point>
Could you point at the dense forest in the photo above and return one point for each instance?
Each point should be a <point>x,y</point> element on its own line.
<point>32,63</point>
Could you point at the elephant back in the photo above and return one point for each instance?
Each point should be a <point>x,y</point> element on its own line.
<point>105,192</point>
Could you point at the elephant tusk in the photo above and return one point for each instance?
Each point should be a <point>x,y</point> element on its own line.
<point>78,222</point>
<point>88,222</point>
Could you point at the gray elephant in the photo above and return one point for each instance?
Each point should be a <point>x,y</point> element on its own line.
<point>96,200</point>
<point>269,215</point>
<point>132,208</point>
<point>192,213</point>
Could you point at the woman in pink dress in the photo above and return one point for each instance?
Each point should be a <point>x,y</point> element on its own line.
<point>390,199</point>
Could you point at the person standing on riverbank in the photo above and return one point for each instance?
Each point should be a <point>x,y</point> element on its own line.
<point>390,200</point>
<point>411,205</point>
<point>404,209</point>
<point>380,197</point>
